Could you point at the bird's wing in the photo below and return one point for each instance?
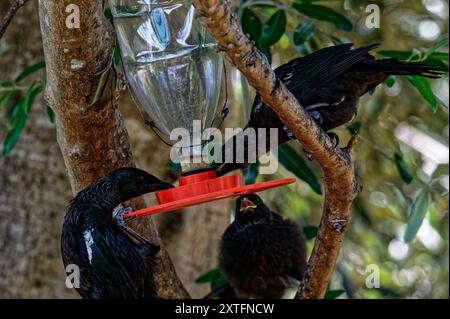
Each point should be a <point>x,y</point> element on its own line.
<point>73,251</point>
<point>320,67</point>
<point>110,278</point>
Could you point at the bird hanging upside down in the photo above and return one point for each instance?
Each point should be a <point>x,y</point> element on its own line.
<point>261,254</point>
<point>114,262</point>
<point>328,84</point>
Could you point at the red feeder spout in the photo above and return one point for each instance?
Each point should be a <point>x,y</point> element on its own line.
<point>203,188</point>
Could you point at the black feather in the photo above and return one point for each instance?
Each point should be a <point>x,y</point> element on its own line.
<point>261,254</point>
<point>328,84</point>
<point>111,264</point>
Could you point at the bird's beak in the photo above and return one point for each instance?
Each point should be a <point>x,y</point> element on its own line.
<point>164,185</point>
<point>246,204</point>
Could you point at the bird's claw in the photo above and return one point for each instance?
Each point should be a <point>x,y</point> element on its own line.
<point>334,138</point>
<point>120,213</point>
<point>288,132</point>
<point>358,188</point>
<point>119,217</point>
<point>316,116</point>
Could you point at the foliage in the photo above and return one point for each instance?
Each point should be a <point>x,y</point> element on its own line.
<point>400,221</point>
<point>213,277</point>
<point>19,100</point>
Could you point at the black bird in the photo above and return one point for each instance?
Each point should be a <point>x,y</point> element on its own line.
<point>114,261</point>
<point>262,255</point>
<point>328,83</point>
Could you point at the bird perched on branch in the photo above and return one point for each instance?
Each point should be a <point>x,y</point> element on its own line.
<point>328,83</point>
<point>261,255</point>
<point>114,261</point>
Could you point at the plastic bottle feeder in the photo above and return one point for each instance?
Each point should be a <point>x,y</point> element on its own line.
<point>175,70</point>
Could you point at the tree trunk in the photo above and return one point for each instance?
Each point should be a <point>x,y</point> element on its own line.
<point>34,188</point>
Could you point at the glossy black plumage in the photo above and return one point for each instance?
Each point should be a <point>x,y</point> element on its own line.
<point>261,254</point>
<point>111,263</point>
<point>328,83</point>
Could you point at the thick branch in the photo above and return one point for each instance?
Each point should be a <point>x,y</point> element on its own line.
<point>4,23</point>
<point>92,137</point>
<point>336,164</point>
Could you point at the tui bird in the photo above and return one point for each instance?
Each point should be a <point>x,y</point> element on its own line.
<point>114,261</point>
<point>328,83</point>
<point>261,254</point>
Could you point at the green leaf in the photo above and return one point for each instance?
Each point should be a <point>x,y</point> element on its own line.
<point>214,277</point>
<point>14,135</point>
<point>108,14</point>
<point>403,169</point>
<point>290,159</point>
<point>122,9</point>
<point>437,47</point>
<point>217,281</point>
<point>400,55</point>
<point>417,214</point>
<point>29,99</point>
<point>310,232</point>
<point>354,127</point>
<point>251,173</point>
<point>5,84</point>
<point>5,96</point>
<point>324,14</point>
<point>441,56</point>
<point>333,294</point>
<point>117,57</point>
<point>174,166</point>
<point>251,24</point>
<point>390,81</point>
<point>425,90</point>
<point>273,29</point>
<point>267,53</point>
<point>29,70</point>
<point>16,113</point>
<point>208,276</point>
<point>304,32</point>
<point>51,115</point>
<point>434,60</point>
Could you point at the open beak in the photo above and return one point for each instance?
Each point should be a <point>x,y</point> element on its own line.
<point>246,204</point>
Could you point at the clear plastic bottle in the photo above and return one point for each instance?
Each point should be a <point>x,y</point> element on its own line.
<point>171,62</point>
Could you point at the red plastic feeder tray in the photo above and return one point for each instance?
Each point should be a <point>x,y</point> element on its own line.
<point>203,188</point>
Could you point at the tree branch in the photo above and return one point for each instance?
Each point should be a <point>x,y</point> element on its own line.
<point>92,137</point>
<point>17,4</point>
<point>339,181</point>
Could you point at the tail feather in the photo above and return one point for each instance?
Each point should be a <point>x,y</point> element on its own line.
<point>396,67</point>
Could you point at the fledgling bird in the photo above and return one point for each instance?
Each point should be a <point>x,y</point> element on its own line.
<point>328,83</point>
<point>114,261</point>
<point>262,255</point>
